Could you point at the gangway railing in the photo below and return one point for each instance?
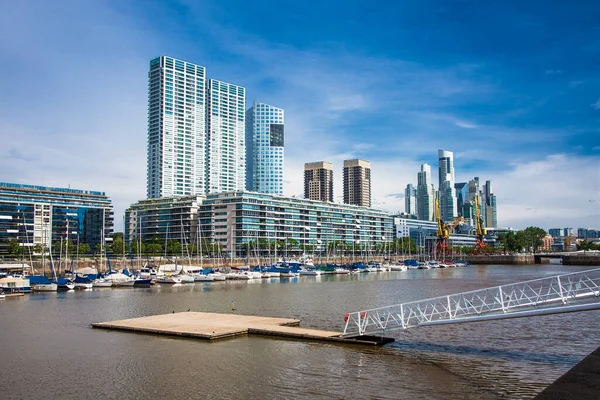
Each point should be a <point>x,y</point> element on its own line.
<point>577,291</point>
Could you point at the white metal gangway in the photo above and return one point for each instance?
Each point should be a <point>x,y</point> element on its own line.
<point>578,291</point>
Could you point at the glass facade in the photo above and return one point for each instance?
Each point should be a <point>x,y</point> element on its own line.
<point>226,155</point>
<point>38,215</point>
<point>265,148</point>
<point>176,149</point>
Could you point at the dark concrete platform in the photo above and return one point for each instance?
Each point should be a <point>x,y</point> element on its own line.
<point>580,382</point>
<point>214,326</point>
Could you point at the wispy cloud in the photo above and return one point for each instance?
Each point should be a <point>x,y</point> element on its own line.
<point>596,105</point>
<point>553,72</point>
<point>466,125</point>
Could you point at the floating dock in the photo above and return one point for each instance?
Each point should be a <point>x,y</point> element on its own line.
<point>213,326</point>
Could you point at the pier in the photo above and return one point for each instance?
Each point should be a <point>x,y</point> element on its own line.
<point>213,326</point>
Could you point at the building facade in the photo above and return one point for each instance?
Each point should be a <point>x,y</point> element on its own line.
<point>425,194</point>
<point>318,181</point>
<point>410,199</point>
<point>236,218</point>
<point>357,182</point>
<point>491,217</point>
<point>447,194</point>
<point>226,137</point>
<point>176,148</point>
<point>265,149</point>
<point>39,215</point>
<point>164,219</point>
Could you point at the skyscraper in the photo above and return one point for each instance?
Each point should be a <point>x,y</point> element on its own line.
<point>264,156</point>
<point>176,149</point>
<point>447,194</point>
<point>491,219</point>
<point>425,196</point>
<point>318,181</point>
<point>226,137</point>
<point>410,200</point>
<point>357,182</point>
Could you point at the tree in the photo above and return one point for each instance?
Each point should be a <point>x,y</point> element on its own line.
<point>154,249</point>
<point>173,247</point>
<point>117,245</point>
<point>84,248</point>
<point>532,237</point>
<point>14,248</point>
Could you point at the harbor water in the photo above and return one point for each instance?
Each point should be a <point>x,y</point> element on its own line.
<point>48,349</point>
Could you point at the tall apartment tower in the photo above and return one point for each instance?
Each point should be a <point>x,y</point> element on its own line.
<point>410,200</point>
<point>226,137</point>
<point>447,192</point>
<point>357,182</point>
<point>318,181</point>
<point>176,159</point>
<point>264,148</point>
<point>425,194</point>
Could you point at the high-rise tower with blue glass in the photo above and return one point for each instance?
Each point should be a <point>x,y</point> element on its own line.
<point>265,145</point>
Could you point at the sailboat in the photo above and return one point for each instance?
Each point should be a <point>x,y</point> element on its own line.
<point>40,283</point>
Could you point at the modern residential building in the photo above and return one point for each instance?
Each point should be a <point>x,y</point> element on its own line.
<point>357,182</point>
<point>176,152</point>
<point>318,181</point>
<point>163,219</point>
<point>555,232</point>
<point>226,137</point>
<point>233,219</point>
<point>410,199</point>
<point>425,194</point>
<point>264,149</point>
<point>39,215</point>
<point>447,194</point>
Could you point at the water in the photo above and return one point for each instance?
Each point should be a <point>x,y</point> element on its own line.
<point>48,349</point>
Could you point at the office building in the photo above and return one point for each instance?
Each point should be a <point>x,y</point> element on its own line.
<point>265,145</point>
<point>491,218</point>
<point>447,194</point>
<point>39,215</point>
<point>425,194</point>
<point>410,200</point>
<point>318,181</point>
<point>555,232</point>
<point>357,182</point>
<point>176,148</point>
<point>226,137</point>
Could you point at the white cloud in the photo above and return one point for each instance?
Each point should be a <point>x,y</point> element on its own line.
<point>466,125</point>
<point>553,72</point>
<point>596,105</point>
<point>548,192</point>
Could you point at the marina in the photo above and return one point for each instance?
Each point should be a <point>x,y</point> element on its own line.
<point>50,333</point>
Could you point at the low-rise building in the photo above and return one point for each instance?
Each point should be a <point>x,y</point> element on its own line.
<point>39,215</point>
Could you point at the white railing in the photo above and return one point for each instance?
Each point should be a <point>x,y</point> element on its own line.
<point>578,291</point>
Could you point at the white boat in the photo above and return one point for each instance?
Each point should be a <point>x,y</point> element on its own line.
<point>185,278</point>
<point>83,285</point>
<point>169,280</point>
<point>340,270</point>
<point>371,269</point>
<point>204,278</point>
<point>460,264</point>
<point>44,287</point>
<point>288,274</point>
<point>309,272</point>
<point>218,276</point>
<point>396,267</point>
<point>125,283</point>
<point>2,295</point>
<point>101,283</point>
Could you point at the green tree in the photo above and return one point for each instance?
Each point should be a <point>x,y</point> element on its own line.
<point>118,244</point>
<point>84,248</point>
<point>532,237</point>
<point>154,249</point>
<point>173,247</point>
<point>14,248</point>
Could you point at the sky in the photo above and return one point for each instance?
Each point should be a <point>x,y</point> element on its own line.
<point>511,87</point>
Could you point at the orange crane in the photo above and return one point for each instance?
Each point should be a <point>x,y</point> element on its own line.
<point>480,246</point>
<point>443,231</point>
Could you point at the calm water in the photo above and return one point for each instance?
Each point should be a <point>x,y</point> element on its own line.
<point>48,349</point>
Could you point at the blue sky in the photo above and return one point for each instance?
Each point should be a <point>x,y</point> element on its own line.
<point>513,89</point>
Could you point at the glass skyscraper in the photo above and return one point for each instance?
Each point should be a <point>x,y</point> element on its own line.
<point>176,128</point>
<point>447,194</point>
<point>226,138</point>
<point>425,197</point>
<point>265,145</point>
<point>410,200</point>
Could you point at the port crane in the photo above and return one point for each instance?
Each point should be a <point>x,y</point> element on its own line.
<point>442,246</point>
<point>480,245</point>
